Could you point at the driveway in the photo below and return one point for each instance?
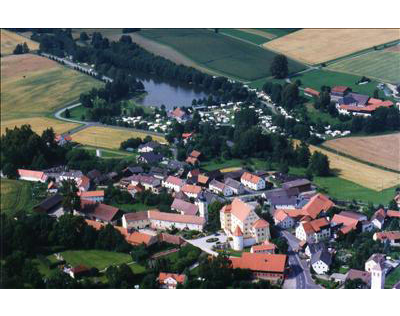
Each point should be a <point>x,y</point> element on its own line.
<point>206,246</point>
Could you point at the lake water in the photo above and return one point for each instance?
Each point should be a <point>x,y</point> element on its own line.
<point>168,93</point>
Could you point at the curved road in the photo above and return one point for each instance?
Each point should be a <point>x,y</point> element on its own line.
<point>85,125</point>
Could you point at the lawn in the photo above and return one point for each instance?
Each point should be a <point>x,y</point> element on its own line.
<point>15,195</point>
<point>243,35</point>
<point>76,113</point>
<point>343,189</point>
<point>110,138</point>
<point>99,259</point>
<point>381,65</point>
<point>108,153</point>
<point>218,52</point>
<point>315,114</point>
<point>392,278</point>
<point>134,207</point>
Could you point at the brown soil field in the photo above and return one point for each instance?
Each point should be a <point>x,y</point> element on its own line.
<point>10,39</point>
<point>20,65</point>
<point>259,33</point>
<point>380,150</point>
<point>314,46</point>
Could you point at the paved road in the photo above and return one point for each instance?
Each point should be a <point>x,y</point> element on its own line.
<point>300,269</point>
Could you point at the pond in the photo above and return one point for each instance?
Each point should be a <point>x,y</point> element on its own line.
<point>168,93</point>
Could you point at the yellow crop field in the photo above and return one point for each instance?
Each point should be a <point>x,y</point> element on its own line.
<point>383,150</point>
<point>10,39</point>
<point>109,137</point>
<point>314,46</point>
<point>362,174</point>
<point>39,124</point>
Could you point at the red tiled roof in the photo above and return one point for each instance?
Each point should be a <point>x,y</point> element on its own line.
<point>84,181</point>
<point>280,215</point>
<point>91,193</point>
<point>195,154</point>
<point>137,238</point>
<point>264,247</point>
<point>101,211</point>
<point>391,235</point>
<point>260,262</point>
<point>189,188</point>
<point>187,135</point>
<point>260,223</point>
<point>339,89</point>
<point>180,278</point>
<point>311,91</point>
<point>185,207</point>
<point>178,113</point>
<point>175,181</point>
<point>136,216</point>
<point>392,213</point>
<point>96,225</point>
<point>171,239</point>
<point>317,203</point>
<point>315,225</point>
<point>240,209</point>
<point>32,174</point>
<point>226,208</point>
<point>345,220</point>
<point>250,177</point>
<point>202,179</point>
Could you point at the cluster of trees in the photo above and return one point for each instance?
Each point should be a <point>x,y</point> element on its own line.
<point>279,67</point>
<point>21,49</point>
<point>23,148</point>
<point>163,200</point>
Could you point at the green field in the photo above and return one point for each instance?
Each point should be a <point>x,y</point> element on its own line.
<point>249,37</point>
<point>315,114</point>
<point>393,278</point>
<point>134,207</point>
<point>15,195</point>
<point>278,32</point>
<point>218,52</point>
<point>109,153</point>
<point>382,65</point>
<point>343,189</point>
<point>316,78</point>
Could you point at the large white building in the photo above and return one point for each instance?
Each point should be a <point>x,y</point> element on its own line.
<point>252,181</point>
<point>240,222</point>
<point>314,231</point>
<point>173,183</point>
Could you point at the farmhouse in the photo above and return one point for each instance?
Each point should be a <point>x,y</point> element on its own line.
<point>239,220</point>
<point>95,196</point>
<point>301,185</point>
<point>148,182</point>
<point>183,207</point>
<point>252,181</point>
<point>317,204</point>
<point>150,158</point>
<point>192,191</point>
<point>220,188</point>
<point>313,231</point>
<point>179,115</point>
<point>173,183</point>
<point>236,187</point>
<point>170,280</point>
<point>321,261</point>
<point>391,237</point>
<point>135,220</point>
<point>61,140</point>
<point>263,266</point>
<point>83,183</point>
<point>358,104</point>
<point>161,220</point>
<point>282,219</point>
<point>51,206</point>
<point>100,212</point>
<point>32,175</point>
<point>378,219</point>
<point>339,92</point>
<point>137,238</point>
<point>131,170</point>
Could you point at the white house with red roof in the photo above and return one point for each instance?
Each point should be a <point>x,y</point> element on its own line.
<point>283,220</point>
<point>192,191</point>
<point>220,188</point>
<point>95,196</point>
<point>239,219</point>
<point>173,183</point>
<point>314,231</point>
<point>179,115</point>
<point>252,181</point>
<point>265,247</point>
<point>32,175</point>
<point>170,280</point>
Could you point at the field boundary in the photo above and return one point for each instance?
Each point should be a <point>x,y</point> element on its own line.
<point>371,164</point>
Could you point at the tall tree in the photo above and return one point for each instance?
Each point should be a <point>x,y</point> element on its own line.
<point>71,200</point>
<point>279,67</point>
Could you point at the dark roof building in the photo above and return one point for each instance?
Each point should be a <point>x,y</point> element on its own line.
<point>51,206</point>
<point>303,185</point>
<point>150,158</point>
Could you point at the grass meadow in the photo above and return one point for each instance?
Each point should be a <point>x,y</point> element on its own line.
<point>9,40</point>
<point>15,195</point>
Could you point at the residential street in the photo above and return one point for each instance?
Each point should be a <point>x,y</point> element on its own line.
<point>300,276</point>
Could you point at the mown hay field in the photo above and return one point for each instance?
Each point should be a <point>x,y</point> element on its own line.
<point>223,54</point>
<point>10,39</point>
<point>382,65</point>
<point>15,195</point>
<point>35,86</point>
<point>314,46</point>
<point>383,150</point>
<point>360,173</point>
<point>109,137</point>
<point>39,124</point>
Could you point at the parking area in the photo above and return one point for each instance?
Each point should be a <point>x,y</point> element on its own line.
<point>207,246</point>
